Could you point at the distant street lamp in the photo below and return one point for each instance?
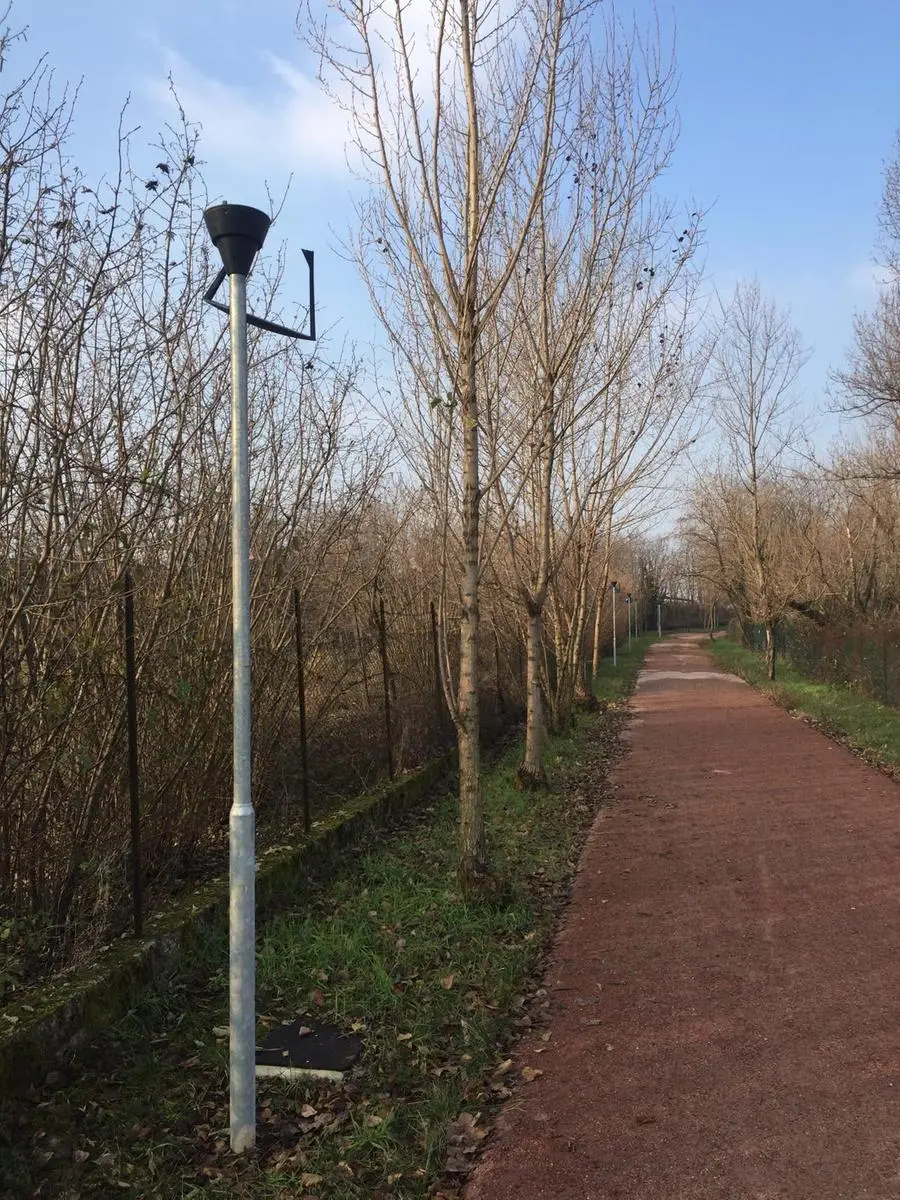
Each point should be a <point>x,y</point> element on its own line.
<point>614,588</point>
<point>628,610</point>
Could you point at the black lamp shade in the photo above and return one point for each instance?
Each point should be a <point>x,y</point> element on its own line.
<point>238,233</point>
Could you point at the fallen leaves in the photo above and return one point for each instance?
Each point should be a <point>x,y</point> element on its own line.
<point>464,1136</point>
<point>454,989</point>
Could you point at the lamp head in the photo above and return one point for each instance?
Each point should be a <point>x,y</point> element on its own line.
<point>238,233</point>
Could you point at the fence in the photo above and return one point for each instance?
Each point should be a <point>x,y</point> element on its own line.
<point>864,656</point>
<point>115,752</point>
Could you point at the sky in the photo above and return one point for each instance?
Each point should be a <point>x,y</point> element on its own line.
<point>788,108</point>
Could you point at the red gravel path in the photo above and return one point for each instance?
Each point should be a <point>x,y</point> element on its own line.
<point>725,1017</point>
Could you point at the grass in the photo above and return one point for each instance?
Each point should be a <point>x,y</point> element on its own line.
<point>869,728</point>
<point>612,682</point>
<point>439,988</point>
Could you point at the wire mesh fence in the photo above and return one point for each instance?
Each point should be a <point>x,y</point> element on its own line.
<point>865,657</point>
<point>115,739</point>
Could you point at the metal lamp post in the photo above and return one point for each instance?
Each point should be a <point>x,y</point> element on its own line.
<point>614,588</point>
<point>238,233</point>
<point>628,610</point>
<point>659,620</point>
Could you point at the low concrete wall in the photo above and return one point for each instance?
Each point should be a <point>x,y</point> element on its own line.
<point>50,1019</point>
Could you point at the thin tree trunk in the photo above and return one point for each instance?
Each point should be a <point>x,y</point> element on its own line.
<point>531,772</point>
<point>595,650</point>
<point>473,867</point>
<point>770,650</point>
<point>472,851</point>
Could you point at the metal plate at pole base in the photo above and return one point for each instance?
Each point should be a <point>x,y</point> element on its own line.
<point>307,1049</point>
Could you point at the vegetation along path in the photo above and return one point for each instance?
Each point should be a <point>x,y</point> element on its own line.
<point>725,1016</point>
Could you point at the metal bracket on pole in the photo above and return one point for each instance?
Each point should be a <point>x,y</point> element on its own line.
<point>261,322</point>
<point>238,233</point>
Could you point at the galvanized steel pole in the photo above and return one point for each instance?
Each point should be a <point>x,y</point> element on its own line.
<point>241,825</point>
<point>238,232</point>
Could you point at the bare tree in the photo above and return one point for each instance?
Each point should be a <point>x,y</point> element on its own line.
<point>452,135</point>
<point>870,383</point>
<point>113,418</point>
<point>755,365</point>
<point>597,276</point>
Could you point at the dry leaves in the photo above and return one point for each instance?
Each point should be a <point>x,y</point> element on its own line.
<point>464,1136</point>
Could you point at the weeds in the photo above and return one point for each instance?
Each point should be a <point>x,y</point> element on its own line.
<point>437,987</point>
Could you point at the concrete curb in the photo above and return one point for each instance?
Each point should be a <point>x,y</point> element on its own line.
<point>50,1019</point>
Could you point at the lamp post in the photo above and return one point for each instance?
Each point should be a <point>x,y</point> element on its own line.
<point>628,610</point>
<point>659,620</point>
<point>614,588</point>
<point>238,233</point>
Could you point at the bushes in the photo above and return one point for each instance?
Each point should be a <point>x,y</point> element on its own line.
<point>114,457</point>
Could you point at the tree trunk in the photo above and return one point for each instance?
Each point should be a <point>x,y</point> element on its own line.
<point>473,866</point>
<point>531,772</point>
<point>472,853</point>
<point>770,650</point>
<point>473,869</point>
<point>598,620</point>
<point>599,602</point>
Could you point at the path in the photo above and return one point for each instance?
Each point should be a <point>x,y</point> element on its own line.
<point>725,990</point>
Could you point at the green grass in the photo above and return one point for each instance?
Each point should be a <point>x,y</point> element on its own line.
<point>615,681</point>
<point>870,728</point>
<point>438,987</point>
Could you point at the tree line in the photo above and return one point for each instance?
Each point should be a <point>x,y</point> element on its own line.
<point>782,533</point>
<point>538,294</point>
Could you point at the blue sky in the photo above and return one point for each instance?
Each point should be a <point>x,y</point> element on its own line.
<point>789,110</point>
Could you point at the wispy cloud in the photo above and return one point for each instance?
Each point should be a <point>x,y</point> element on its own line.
<point>868,278</point>
<point>288,124</point>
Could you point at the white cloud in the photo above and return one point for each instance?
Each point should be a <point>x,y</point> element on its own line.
<point>868,278</point>
<point>289,124</point>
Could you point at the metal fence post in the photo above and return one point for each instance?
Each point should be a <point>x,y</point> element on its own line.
<point>133,770</point>
<point>386,678</point>
<point>438,684</point>
<point>301,704</point>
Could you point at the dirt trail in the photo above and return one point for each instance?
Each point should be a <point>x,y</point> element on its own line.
<point>725,1017</point>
